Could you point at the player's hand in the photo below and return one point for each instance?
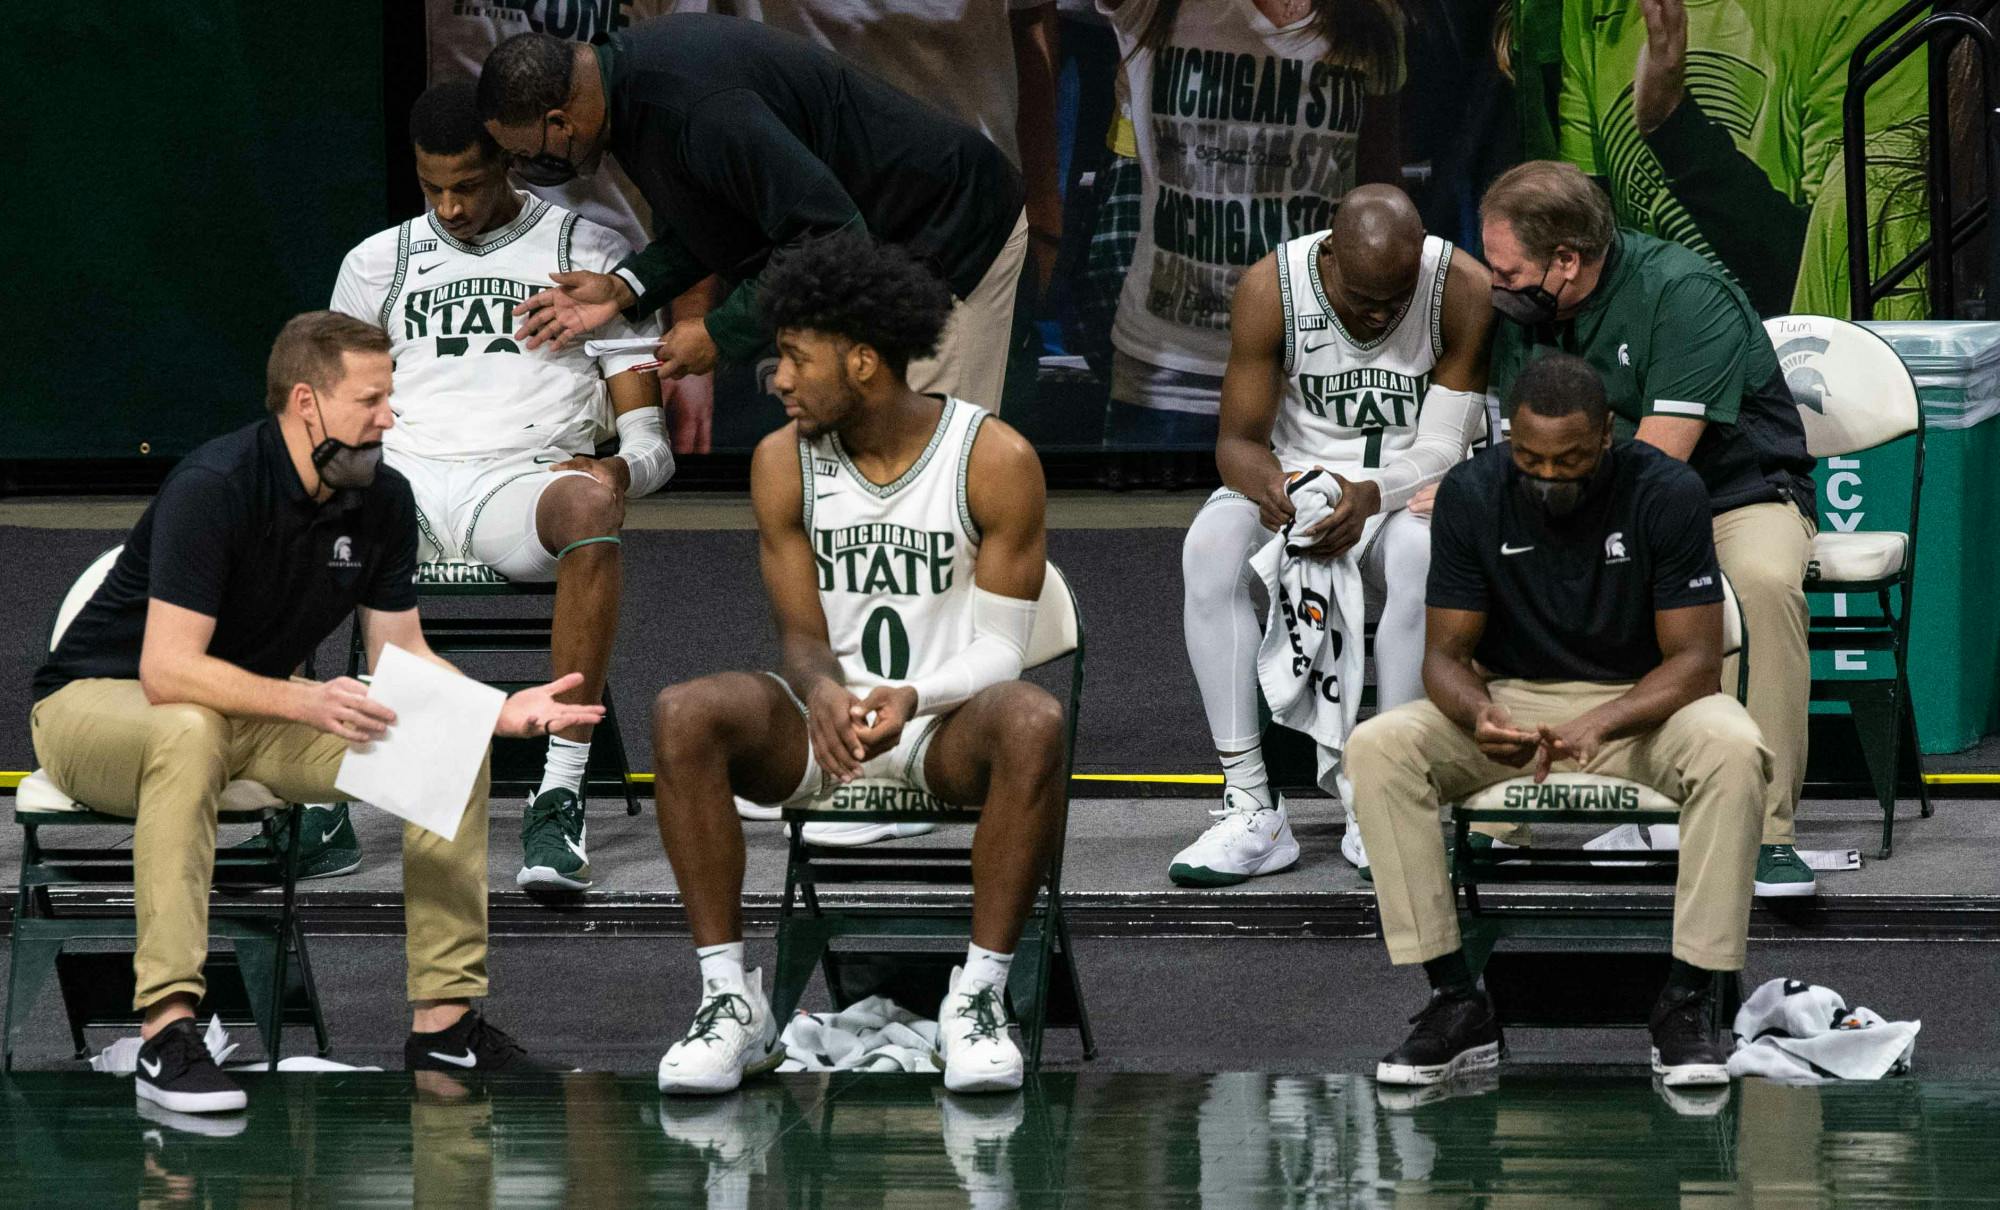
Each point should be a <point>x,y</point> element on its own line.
<point>1579,740</point>
<point>1338,531</point>
<point>687,349</point>
<point>891,707</point>
<point>611,472</point>
<point>1660,80</point>
<point>535,712</point>
<point>341,707</point>
<point>1274,503</point>
<point>1494,731</point>
<point>830,725</point>
<point>580,302</point>
<point>1424,501</point>
<point>691,413</point>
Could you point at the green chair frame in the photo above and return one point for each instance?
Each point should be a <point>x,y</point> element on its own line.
<point>265,941</point>
<point>808,927</point>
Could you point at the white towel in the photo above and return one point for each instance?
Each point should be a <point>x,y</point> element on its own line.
<point>874,1034</point>
<point>1789,1030</point>
<point>1310,662</point>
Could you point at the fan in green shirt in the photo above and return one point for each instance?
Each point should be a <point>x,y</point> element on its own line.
<point>1717,124</point>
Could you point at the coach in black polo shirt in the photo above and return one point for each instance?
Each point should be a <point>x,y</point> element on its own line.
<point>174,680</point>
<point>746,140</point>
<point>1574,621</point>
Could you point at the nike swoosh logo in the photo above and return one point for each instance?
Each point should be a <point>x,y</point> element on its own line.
<point>423,269</point>
<point>1514,550</point>
<point>575,848</point>
<point>824,495</point>
<point>1316,348</point>
<point>152,1069</point>
<point>469,1060</point>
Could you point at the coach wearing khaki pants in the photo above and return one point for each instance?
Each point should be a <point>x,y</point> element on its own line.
<point>173,681</point>
<point>1574,620</point>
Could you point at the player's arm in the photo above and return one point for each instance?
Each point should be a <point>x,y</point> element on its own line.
<point>1250,394</point>
<point>645,459</point>
<point>791,580</point>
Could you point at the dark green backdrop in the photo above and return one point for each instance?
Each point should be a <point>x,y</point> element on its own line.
<point>198,170</point>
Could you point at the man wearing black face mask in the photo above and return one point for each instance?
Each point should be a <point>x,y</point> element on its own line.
<point>174,680</point>
<point>1574,620</point>
<point>1688,370</point>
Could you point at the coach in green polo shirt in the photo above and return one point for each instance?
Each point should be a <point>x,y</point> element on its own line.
<point>1689,371</point>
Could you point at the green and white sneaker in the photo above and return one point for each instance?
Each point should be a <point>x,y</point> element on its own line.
<point>328,847</point>
<point>1783,874</point>
<point>552,836</point>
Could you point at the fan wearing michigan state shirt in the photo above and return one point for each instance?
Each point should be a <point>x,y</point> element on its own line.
<point>902,546</point>
<point>1361,349</point>
<point>496,439</point>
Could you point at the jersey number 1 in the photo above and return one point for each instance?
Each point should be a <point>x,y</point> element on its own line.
<point>1371,450</point>
<point>885,645</point>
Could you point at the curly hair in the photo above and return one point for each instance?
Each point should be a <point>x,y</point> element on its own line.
<point>852,286</point>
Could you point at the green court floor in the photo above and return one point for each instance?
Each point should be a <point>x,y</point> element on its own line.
<point>1224,1141</point>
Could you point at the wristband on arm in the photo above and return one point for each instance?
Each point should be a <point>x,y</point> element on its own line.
<point>997,653</point>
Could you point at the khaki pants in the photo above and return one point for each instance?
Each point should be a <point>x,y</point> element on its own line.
<point>971,359</point>
<point>1764,549</point>
<point>1708,757</point>
<point>165,766</point>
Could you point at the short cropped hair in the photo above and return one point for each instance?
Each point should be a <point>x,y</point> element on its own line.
<point>445,121</point>
<point>1560,384</point>
<point>309,350</point>
<point>1548,204</point>
<point>524,78</point>
<point>852,286</point>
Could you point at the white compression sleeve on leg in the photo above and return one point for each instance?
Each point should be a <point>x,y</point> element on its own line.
<point>1448,425</point>
<point>999,649</point>
<point>642,443</point>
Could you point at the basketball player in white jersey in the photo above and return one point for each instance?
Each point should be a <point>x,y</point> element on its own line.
<point>903,548</point>
<point>496,439</point>
<point>1361,349</point>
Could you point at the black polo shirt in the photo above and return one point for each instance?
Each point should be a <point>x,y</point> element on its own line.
<point>234,535</point>
<point>1573,599</point>
<point>744,139</point>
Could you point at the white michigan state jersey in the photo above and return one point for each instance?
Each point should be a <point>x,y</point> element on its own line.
<point>464,388</point>
<point>1351,406</point>
<point>895,561</point>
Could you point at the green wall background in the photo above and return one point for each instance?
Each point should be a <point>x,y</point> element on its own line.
<point>186,177</point>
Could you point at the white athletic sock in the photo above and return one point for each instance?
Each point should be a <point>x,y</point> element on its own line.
<point>985,967</point>
<point>564,768</point>
<point>724,962</point>
<point>1245,771</point>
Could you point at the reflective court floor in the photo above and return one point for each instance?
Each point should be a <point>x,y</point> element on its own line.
<point>1069,1140</point>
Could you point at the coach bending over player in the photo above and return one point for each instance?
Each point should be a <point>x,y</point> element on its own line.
<point>174,681</point>
<point>1575,619</point>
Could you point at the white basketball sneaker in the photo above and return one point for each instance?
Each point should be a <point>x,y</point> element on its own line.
<point>1352,849</point>
<point>732,1036</point>
<point>977,1135</point>
<point>1246,839</point>
<point>864,831</point>
<point>978,1054</point>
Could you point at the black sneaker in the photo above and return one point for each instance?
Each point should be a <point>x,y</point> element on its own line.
<point>1683,1052</point>
<point>1453,1035</point>
<point>176,1072</point>
<point>469,1045</point>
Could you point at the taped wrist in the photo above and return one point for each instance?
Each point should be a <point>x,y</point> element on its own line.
<point>642,443</point>
<point>997,653</point>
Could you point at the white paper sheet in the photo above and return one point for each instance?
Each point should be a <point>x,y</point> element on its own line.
<point>624,344</point>
<point>422,770</point>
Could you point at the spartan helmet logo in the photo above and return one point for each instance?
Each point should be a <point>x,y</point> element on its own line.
<point>343,549</point>
<point>1799,359</point>
<point>1614,546</point>
<point>1312,609</point>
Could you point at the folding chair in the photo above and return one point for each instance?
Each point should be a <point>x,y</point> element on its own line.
<point>1855,394</point>
<point>1043,986</point>
<point>517,764</point>
<point>1543,988</point>
<point>97,985</point>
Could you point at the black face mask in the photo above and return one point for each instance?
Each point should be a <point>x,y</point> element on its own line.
<point>1529,306</point>
<point>341,465</point>
<point>545,169</point>
<point>1559,498</point>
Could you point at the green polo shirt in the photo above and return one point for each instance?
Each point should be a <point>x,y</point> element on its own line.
<point>1672,336</point>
